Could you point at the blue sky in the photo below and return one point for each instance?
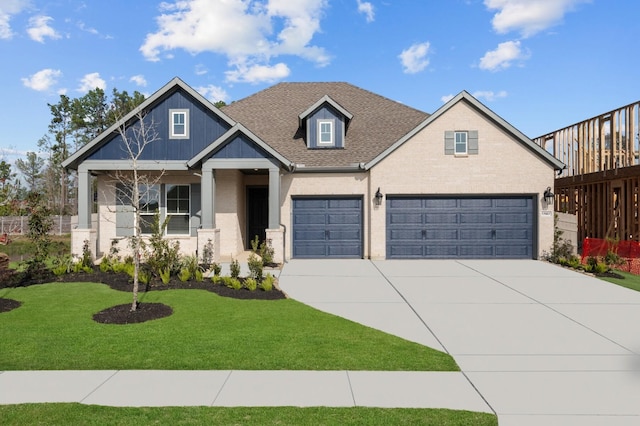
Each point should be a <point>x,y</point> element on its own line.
<point>540,64</point>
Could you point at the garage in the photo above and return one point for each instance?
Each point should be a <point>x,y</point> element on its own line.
<point>460,227</point>
<point>327,227</point>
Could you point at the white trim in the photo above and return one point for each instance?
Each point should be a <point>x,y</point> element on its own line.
<point>173,113</point>
<point>455,142</point>
<point>332,132</point>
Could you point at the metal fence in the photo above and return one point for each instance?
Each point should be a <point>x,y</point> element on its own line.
<point>19,225</point>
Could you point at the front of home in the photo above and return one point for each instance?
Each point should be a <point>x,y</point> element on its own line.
<point>319,170</point>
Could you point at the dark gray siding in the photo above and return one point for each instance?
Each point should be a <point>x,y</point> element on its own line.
<point>324,113</point>
<point>240,147</point>
<point>204,128</point>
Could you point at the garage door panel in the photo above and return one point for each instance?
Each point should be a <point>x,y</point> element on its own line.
<point>441,218</point>
<point>464,227</point>
<point>327,227</point>
<point>466,218</point>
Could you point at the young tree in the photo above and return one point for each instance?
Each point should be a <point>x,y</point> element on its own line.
<point>137,186</point>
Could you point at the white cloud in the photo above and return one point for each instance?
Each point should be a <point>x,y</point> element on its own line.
<point>503,56</point>
<point>213,93</point>
<point>258,73</point>
<point>414,59</point>
<point>43,80</point>
<point>90,82</point>
<point>139,80</point>
<point>201,69</point>
<point>447,98</point>
<point>366,8</point>
<point>39,28</point>
<point>248,33</point>
<point>8,8</point>
<point>529,16</point>
<point>489,95</point>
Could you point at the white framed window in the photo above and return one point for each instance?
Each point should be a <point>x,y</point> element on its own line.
<point>460,143</point>
<point>325,133</point>
<point>178,209</point>
<point>179,123</point>
<point>148,206</point>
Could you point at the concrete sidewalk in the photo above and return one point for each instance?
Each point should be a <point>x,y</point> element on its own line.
<point>151,388</point>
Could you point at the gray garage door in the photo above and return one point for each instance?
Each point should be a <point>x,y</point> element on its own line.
<point>327,227</point>
<point>447,227</point>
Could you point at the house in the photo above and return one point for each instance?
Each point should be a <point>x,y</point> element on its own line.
<point>324,170</point>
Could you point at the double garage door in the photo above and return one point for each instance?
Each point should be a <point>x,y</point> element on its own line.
<point>327,227</point>
<point>450,227</point>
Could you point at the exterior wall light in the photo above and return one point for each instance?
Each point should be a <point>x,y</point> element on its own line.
<point>378,197</point>
<point>548,196</point>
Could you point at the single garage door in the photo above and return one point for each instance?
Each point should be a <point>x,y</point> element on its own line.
<point>449,227</point>
<point>327,227</point>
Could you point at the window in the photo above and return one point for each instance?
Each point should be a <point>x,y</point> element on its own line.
<point>178,209</point>
<point>179,119</point>
<point>325,132</point>
<point>460,143</point>
<point>148,205</point>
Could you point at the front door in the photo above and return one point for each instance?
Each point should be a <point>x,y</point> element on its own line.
<point>257,213</point>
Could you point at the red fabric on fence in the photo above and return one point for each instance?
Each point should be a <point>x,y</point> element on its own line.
<point>628,250</point>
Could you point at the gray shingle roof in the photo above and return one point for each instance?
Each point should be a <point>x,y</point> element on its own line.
<point>272,115</point>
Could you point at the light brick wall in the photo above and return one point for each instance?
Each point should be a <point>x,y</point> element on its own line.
<point>503,166</point>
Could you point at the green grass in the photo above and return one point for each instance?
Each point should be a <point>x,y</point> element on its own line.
<point>630,280</point>
<point>74,414</point>
<point>53,329</point>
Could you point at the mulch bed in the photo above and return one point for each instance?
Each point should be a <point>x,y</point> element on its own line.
<point>122,314</point>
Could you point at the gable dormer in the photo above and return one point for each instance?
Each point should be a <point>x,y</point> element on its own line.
<point>325,124</point>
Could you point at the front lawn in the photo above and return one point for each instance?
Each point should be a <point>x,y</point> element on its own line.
<point>54,330</point>
<point>631,281</point>
<point>71,414</point>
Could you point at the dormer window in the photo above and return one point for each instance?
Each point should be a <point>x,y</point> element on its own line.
<point>179,124</point>
<point>325,133</point>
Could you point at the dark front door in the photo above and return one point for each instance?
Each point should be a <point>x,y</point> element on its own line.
<point>257,213</point>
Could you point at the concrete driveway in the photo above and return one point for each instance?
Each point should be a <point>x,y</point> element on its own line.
<point>539,343</point>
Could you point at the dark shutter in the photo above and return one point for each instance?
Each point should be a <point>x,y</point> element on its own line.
<point>449,141</point>
<point>124,211</point>
<point>472,142</point>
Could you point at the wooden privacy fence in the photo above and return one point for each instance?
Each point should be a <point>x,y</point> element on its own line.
<point>19,225</point>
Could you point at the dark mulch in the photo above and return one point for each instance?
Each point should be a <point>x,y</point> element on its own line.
<point>610,274</point>
<point>7,305</point>
<point>122,314</point>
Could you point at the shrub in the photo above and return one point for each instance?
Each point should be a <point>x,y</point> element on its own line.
<point>184,275</point>
<point>165,276</point>
<point>255,267</point>
<point>600,268</point>
<point>231,282</point>
<point>216,279</point>
<point>217,268</point>
<point>267,283</point>
<point>163,254</point>
<point>144,276</point>
<point>266,253</point>
<point>207,253</point>
<point>612,258</point>
<point>255,243</point>
<point>199,275</point>
<point>87,258</point>
<point>235,269</point>
<point>250,284</point>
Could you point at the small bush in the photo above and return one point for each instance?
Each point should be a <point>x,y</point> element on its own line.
<point>266,253</point>
<point>216,268</point>
<point>144,277</point>
<point>190,263</point>
<point>255,267</point>
<point>105,265</point>
<point>165,275</point>
<point>255,244</point>
<point>250,284</point>
<point>231,282</point>
<point>267,283</point>
<point>87,258</point>
<point>235,269</point>
<point>600,268</point>
<point>184,275</point>
<point>207,253</point>
<point>216,279</point>
<point>199,275</point>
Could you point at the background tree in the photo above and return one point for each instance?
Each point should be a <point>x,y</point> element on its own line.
<point>31,168</point>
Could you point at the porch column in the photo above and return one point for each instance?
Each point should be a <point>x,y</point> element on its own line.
<point>274,198</point>
<point>208,199</point>
<point>84,198</point>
